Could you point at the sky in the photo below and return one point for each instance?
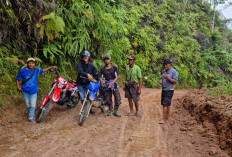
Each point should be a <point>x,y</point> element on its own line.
<point>226,11</point>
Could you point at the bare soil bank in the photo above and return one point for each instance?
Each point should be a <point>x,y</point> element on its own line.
<point>214,113</point>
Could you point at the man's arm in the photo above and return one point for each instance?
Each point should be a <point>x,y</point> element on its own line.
<point>140,86</point>
<point>140,81</point>
<point>100,77</point>
<point>116,77</point>
<point>95,74</point>
<point>169,79</point>
<point>52,67</point>
<point>18,87</point>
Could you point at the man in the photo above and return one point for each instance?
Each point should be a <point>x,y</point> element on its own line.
<point>168,80</point>
<point>133,85</point>
<point>29,76</point>
<point>86,70</point>
<point>109,74</point>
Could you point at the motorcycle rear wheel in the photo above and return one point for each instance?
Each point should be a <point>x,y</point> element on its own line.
<point>43,112</point>
<point>84,112</point>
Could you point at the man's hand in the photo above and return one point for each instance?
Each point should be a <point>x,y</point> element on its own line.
<point>139,92</point>
<point>165,76</point>
<point>89,77</point>
<point>102,82</point>
<point>160,82</point>
<point>124,88</point>
<point>110,84</point>
<point>19,89</point>
<point>54,67</point>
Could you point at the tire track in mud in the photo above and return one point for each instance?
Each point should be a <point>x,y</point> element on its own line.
<point>60,135</point>
<point>145,138</point>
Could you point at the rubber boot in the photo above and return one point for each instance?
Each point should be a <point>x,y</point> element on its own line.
<point>116,114</point>
<point>111,110</point>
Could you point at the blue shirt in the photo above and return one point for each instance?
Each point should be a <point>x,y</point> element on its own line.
<point>30,86</point>
<point>166,84</point>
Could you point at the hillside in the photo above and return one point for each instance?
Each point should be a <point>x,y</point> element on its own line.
<point>55,32</point>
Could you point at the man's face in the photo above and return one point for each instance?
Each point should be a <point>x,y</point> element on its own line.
<point>167,66</point>
<point>107,61</point>
<point>131,61</point>
<point>85,59</point>
<point>31,64</point>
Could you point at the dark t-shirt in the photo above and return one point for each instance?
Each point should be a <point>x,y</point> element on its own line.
<point>109,73</point>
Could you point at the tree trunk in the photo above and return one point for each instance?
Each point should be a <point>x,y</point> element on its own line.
<point>214,12</point>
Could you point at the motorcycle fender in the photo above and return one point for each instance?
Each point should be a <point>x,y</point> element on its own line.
<point>92,96</point>
<point>56,94</point>
<point>45,101</point>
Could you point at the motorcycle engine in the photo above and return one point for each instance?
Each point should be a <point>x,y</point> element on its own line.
<point>64,98</point>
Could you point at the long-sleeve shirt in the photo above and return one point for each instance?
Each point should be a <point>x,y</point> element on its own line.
<point>84,69</point>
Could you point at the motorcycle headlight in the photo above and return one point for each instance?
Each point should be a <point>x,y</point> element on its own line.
<point>60,85</point>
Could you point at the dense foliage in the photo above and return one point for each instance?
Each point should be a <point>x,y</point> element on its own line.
<point>55,32</point>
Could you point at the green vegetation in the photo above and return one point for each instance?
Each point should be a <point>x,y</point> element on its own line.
<point>55,32</point>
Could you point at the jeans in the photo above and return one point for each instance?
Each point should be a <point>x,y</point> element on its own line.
<point>30,100</point>
<point>82,90</point>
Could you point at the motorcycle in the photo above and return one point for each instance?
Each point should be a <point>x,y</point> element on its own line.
<point>90,97</point>
<point>64,92</point>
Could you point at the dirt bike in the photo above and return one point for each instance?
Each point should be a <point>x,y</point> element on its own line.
<point>91,96</point>
<point>64,92</point>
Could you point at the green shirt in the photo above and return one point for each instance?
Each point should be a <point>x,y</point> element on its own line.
<point>134,74</point>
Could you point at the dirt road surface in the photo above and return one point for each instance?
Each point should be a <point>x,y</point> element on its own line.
<point>60,135</point>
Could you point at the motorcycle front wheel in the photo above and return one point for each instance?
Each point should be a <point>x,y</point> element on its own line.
<point>43,112</point>
<point>74,101</point>
<point>84,112</point>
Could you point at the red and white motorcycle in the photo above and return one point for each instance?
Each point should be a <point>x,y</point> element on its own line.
<point>64,92</point>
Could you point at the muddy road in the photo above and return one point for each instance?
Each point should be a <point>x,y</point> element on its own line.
<point>60,135</point>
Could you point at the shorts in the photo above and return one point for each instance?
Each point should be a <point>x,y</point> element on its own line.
<point>131,92</point>
<point>166,98</point>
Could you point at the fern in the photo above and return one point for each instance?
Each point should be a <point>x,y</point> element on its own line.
<point>51,25</point>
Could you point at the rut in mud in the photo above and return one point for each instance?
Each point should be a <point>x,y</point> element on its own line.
<point>60,135</point>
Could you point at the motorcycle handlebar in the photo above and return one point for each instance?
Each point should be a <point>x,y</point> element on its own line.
<point>54,71</point>
<point>94,81</point>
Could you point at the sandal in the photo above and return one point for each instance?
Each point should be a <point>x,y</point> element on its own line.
<point>129,114</point>
<point>161,121</point>
<point>138,114</point>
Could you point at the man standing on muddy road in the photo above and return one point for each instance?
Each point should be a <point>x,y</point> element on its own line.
<point>109,75</point>
<point>168,80</point>
<point>133,85</point>
<point>29,87</point>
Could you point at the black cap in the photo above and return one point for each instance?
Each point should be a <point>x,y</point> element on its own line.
<point>167,61</point>
<point>132,57</point>
<point>106,57</point>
